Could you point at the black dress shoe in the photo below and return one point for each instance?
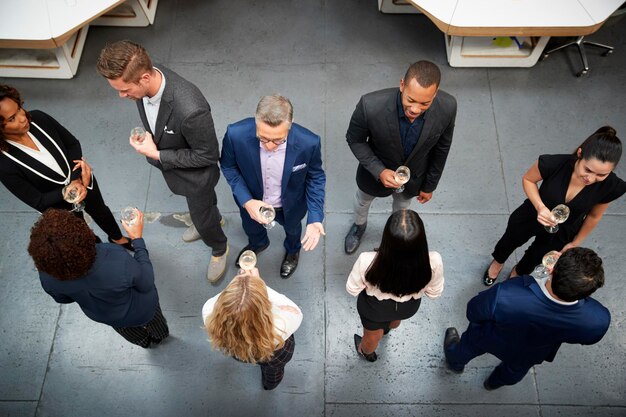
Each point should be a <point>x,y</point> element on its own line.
<point>128,245</point>
<point>451,338</point>
<point>248,247</point>
<point>353,238</point>
<point>489,385</point>
<point>370,357</point>
<point>289,265</point>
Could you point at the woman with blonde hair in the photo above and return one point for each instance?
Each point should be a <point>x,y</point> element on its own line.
<point>253,323</point>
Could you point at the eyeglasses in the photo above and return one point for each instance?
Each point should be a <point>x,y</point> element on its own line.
<point>274,141</point>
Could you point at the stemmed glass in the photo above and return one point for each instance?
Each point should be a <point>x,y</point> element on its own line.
<point>137,135</point>
<point>268,213</point>
<point>548,261</point>
<point>247,260</point>
<point>560,214</point>
<point>401,176</point>
<point>70,194</point>
<point>129,215</point>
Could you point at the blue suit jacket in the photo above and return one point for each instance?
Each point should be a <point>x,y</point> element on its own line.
<point>516,322</point>
<point>303,178</point>
<point>118,290</point>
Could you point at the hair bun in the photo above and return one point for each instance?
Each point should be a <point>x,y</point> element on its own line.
<point>607,130</point>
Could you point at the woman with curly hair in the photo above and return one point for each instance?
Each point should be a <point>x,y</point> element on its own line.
<point>253,323</point>
<point>390,282</point>
<point>109,285</point>
<point>38,157</point>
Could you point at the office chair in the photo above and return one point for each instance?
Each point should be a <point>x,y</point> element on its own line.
<point>580,43</point>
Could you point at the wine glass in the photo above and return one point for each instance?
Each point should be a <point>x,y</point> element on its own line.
<point>247,260</point>
<point>269,214</point>
<point>70,194</point>
<point>548,261</point>
<point>560,214</point>
<point>137,135</point>
<point>401,176</point>
<point>129,215</point>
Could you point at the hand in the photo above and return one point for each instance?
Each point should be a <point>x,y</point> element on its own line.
<point>136,230</point>
<point>85,170</point>
<point>568,247</point>
<point>424,197</point>
<point>253,207</point>
<point>388,179</point>
<point>544,217</point>
<point>312,235</point>
<point>290,309</point>
<point>78,185</point>
<point>147,147</point>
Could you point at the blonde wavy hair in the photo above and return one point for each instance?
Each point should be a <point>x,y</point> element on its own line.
<point>241,324</point>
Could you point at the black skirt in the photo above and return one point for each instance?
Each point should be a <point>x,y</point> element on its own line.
<point>376,314</point>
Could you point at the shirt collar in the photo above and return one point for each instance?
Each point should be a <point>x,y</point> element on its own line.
<point>156,99</point>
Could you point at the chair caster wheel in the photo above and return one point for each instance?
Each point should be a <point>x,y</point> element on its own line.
<point>607,53</point>
<point>582,73</point>
<point>544,56</point>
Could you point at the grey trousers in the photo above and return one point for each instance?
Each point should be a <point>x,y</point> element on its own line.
<point>363,201</point>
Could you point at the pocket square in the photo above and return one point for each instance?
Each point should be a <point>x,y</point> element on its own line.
<point>170,132</point>
<point>298,167</point>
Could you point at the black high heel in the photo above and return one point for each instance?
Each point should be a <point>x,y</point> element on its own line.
<point>370,357</point>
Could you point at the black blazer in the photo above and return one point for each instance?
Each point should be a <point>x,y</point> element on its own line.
<point>374,138</point>
<point>185,136</point>
<point>27,184</point>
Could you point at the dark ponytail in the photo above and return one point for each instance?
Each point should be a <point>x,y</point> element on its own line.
<point>603,145</point>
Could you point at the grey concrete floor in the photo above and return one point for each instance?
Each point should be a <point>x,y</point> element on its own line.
<point>324,55</point>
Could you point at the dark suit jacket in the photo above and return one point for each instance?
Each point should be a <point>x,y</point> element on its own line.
<point>30,185</point>
<point>374,138</point>
<point>118,290</point>
<point>516,322</point>
<point>185,137</point>
<point>303,177</point>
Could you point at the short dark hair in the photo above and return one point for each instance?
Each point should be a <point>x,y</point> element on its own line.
<point>124,59</point>
<point>603,145</point>
<point>62,245</point>
<point>402,264</point>
<point>6,91</point>
<point>425,73</point>
<point>577,274</point>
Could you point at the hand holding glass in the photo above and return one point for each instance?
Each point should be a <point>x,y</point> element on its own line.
<point>129,215</point>
<point>401,176</point>
<point>269,214</point>
<point>137,135</point>
<point>71,194</point>
<point>560,214</point>
<point>247,260</point>
<point>547,263</point>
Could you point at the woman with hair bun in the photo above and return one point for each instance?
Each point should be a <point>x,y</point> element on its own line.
<point>584,181</point>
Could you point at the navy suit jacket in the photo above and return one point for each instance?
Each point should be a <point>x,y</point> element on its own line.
<point>118,290</point>
<point>516,322</point>
<point>303,178</point>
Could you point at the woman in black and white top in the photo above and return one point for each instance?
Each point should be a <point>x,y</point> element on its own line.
<point>38,157</point>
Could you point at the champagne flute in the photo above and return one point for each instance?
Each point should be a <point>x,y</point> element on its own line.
<point>269,214</point>
<point>137,135</point>
<point>548,262</point>
<point>560,214</point>
<point>402,176</point>
<point>247,260</point>
<point>70,194</point>
<point>129,215</point>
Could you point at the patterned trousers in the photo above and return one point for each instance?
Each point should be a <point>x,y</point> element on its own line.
<point>152,332</point>
<point>272,371</point>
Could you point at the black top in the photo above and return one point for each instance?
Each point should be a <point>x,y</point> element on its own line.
<point>556,172</point>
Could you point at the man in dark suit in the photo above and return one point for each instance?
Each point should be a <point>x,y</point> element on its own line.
<point>270,161</point>
<point>181,141</point>
<point>523,321</point>
<point>411,126</point>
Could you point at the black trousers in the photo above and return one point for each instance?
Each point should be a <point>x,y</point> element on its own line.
<point>206,217</point>
<point>101,214</point>
<point>152,332</point>
<point>273,371</point>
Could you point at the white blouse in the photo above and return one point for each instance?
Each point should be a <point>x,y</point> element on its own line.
<point>42,155</point>
<point>357,282</point>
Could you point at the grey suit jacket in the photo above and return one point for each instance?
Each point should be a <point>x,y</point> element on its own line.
<point>374,138</point>
<point>185,136</point>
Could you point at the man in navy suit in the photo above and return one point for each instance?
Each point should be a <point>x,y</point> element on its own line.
<point>270,161</point>
<point>524,321</point>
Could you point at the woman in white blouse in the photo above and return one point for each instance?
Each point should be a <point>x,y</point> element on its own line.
<point>253,323</point>
<point>389,283</point>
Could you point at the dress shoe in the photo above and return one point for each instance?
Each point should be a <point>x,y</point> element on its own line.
<point>289,265</point>
<point>128,245</point>
<point>490,385</point>
<point>451,338</point>
<point>217,267</point>
<point>191,234</point>
<point>353,238</point>
<point>370,357</point>
<point>248,247</point>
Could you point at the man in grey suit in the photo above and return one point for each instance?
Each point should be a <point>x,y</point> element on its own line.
<point>411,126</point>
<point>181,140</point>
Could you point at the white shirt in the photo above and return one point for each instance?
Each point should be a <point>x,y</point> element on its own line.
<point>152,104</point>
<point>542,285</point>
<point>285,322</point>
<point>42,155</point>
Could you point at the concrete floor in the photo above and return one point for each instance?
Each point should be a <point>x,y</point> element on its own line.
<point>323,55</point>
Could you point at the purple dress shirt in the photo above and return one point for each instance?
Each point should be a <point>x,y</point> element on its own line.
<point>272,165</point>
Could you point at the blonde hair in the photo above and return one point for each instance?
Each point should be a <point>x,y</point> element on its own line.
<point>241,324</point>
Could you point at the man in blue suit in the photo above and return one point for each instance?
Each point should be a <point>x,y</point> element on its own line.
<point>524,321</point>
<point>270,161</point>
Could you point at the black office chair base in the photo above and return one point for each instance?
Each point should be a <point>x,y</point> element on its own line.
<point>580,43</point>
